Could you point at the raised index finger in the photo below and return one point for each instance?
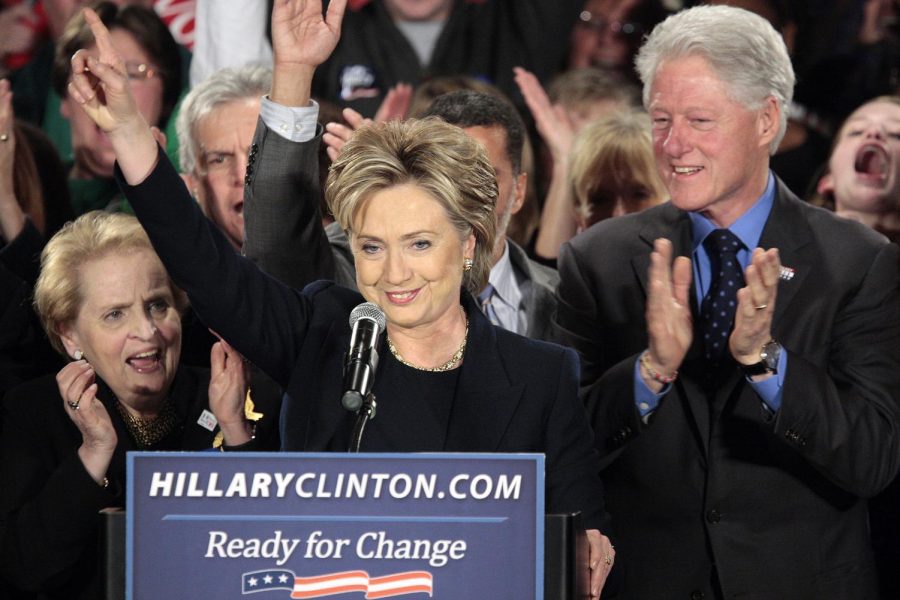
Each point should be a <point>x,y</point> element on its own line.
<point>108,53</point>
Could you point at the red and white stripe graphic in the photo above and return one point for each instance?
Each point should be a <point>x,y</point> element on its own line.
<point>411,582</point>
<point>398,584</point>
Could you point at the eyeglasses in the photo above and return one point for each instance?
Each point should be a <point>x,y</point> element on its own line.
<point>616,27</point>
<point>139,71</point>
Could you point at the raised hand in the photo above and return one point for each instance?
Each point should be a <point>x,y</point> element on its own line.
<point>558,223</point>
<point>301,35</point>
<point>395,106</point>
<point>756,305</point>
<point>228,383</point>
<point>78,388</point>
<point>669,323</point>
<point>100,85</point>
<point>337,134</point>
<point>302,39</point>
<point>551,120</point>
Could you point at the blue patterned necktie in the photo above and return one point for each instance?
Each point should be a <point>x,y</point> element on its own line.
<point>484,300</point>
<point>718,307</point>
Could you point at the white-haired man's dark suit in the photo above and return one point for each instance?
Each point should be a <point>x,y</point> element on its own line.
<point>769,505</point>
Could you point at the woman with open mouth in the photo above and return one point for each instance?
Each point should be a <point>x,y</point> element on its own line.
<point>864,169</point>
<point>107,304</point>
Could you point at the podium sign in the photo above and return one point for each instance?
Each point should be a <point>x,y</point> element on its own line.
<point>264,526</point>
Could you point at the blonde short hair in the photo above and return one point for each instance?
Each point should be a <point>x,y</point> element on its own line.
<point>617,149</point>
<point>438,157</point>
<point>93,235</point>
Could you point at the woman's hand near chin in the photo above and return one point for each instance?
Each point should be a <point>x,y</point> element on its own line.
<point>228,384</point>
<point>100,85</point>
<point>79,393</point>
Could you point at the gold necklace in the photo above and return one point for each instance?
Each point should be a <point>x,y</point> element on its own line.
<point>148,432</point>
<point>450,364</point>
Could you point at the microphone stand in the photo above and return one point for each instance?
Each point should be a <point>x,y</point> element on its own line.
<point>365,413</point>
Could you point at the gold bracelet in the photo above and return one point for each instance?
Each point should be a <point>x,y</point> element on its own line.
<point>654,375</point>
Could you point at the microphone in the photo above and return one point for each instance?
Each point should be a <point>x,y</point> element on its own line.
<point>367,322</point>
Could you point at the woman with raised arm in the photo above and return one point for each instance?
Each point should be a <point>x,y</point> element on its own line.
<point>417,201</point>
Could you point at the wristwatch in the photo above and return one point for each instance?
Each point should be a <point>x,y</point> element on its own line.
<point>768,360</point>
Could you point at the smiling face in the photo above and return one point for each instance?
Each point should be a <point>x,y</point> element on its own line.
<point>224,137</point>
<point>409,257</point>
<point>711,152</point>
<point>94,156</point>
<point>127,326</point>
<point>865,164</point>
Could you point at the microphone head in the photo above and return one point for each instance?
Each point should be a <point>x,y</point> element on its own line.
<point>368,310</point>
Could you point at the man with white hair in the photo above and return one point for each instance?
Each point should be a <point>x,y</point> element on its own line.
<point>745,397</point>
<point>215,127</point>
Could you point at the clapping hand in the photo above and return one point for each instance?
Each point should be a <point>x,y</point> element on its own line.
<point>228,384</point>
<point>756,305</point>
<point>394,106</point>
<point>78,388</point>
<point>669,322</point>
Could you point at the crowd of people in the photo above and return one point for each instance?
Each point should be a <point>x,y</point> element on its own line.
<point>654,240</point>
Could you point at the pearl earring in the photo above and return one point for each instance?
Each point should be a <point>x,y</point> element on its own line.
<point>467,264</point>
<point>78,355</point>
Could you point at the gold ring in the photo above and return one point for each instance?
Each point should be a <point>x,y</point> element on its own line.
<point>4,137</point>
<point>608,560</point>
<point>761,307</point>
<point>74,405</point>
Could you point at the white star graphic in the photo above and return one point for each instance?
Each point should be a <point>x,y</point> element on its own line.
<point>267,579</point>
<point>283,579</point>
<point>252,581</point>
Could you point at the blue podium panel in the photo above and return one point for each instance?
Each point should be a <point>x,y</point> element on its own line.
<point>262,526</point>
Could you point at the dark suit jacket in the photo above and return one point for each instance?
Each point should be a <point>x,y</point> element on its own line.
<point>284,237</point>
<point>513,394</point>
<point>775,502</point>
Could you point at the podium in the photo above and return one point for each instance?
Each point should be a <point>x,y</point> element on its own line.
<point>566,573</point>
<point>309,525</point>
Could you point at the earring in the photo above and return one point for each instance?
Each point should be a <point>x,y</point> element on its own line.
<point>467,264</point>
<point>78,355</point>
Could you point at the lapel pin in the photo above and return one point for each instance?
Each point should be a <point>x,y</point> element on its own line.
<point>785,273</point>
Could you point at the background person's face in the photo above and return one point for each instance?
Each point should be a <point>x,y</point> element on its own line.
<point>224,138</point>
<point>510,187</point>
<point>127,325</point>
<point>94,156</point>
<point>865,164</point>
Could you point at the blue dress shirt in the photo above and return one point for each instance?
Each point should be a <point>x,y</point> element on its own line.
<point>748,228</point>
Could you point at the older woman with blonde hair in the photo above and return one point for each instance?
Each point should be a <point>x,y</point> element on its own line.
<point>612,170</point>
<point>108,304</point>
<point>416,199</point>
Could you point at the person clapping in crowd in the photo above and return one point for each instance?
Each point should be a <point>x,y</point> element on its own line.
<point>107,304</point>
